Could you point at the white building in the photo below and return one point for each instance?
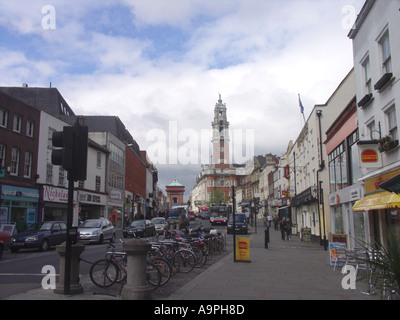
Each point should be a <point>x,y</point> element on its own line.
<point>309,166</point>
<point>376,50</point>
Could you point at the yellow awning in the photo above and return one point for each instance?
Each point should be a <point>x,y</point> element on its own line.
<point>376,201</point>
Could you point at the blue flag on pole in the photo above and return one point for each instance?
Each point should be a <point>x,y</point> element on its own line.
<point>301,105</point>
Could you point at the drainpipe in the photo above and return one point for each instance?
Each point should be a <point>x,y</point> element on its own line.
<point>320,190</point>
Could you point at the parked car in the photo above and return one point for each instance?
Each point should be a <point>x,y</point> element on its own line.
<point>96,231</point>
<point>160,224</point>
<point>5,240</point>
<point>140,228</point>
<point>240,223</point>
<point>41,236</point>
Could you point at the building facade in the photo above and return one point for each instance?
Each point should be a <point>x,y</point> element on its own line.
<point>376,51</point>
<point>215,181</point>
<point>175,191</point>
<point>19,147</point>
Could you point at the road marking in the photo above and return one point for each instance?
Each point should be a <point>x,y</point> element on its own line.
<point>24,274</point>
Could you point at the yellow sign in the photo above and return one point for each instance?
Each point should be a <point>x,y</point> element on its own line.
<point>243,249</point>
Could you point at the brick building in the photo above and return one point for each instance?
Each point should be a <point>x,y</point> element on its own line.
<point>19,141</point>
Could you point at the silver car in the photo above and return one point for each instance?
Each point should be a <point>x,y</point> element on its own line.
<point>160,223</point>
<point>96,231</point>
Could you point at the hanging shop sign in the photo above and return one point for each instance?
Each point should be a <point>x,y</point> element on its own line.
<point>370,156</point>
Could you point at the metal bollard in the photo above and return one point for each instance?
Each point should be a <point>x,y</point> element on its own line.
<point>137,287</point>
<point>266,237</point>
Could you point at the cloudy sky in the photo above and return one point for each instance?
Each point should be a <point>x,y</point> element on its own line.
<point>160,65</point>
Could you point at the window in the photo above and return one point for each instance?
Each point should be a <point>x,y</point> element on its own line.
<point>17,123</point>
<point>28,165</point>
<point>371,129</point>
<point>98,161</point>
<point>117,154</point>
<point>50,138</point>
<point>367,75</point>
<point>3,118</point>
<point>61,177</point>
<point>98,184</point>
<point>392,123</point>
<point>14,162</point>
<point>29,128</point>
<point>49,174</point>
<point>386,55</point>
<point>343,164</point>
<point>116,180</point>
<point>2,156</point>
<point>338,169</point>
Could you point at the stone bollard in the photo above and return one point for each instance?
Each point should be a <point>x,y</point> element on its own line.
<point>137,287</point>
<point>75,286</point>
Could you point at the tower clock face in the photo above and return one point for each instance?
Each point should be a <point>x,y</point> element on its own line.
<point>222,149</point>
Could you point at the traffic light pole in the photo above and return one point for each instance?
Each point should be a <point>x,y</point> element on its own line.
<point>70,152</point>
<point>234,222</point>
<point>70,210</point>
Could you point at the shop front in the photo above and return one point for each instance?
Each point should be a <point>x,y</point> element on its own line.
<point>382,208</point>
<point>343,219</point>
<point>17,202</point>
<point>115,207</point>
<point>55,204</point>
<point>91,205</point>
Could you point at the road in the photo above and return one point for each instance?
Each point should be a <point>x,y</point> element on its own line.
<point>22,271</point>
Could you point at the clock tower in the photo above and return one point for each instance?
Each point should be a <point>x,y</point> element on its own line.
<point>220,139</point>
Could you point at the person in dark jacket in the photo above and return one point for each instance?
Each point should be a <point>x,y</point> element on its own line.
<point>21,225</point>
<point>283,228</point>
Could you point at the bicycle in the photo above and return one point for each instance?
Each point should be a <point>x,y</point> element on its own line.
<point>112,269</point>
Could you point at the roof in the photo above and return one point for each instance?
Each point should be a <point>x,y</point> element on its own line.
<point>361,18</point>
<point>48,100</point>
<point>175,183</point>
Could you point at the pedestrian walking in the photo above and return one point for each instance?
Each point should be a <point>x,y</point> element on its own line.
<point>276,223</point>
<point>283,228</point>
<point>289,229</point>
<point>269,218</point>
<point>264,219</point>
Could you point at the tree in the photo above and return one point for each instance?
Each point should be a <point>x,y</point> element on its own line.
<point>217,197</point>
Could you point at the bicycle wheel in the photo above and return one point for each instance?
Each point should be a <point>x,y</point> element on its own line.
<point>173,261</point>
<point>187,260</point>
<point>153,275</point>
<point>104,273</point>
<point>164,268</point>
<point>201,257</point>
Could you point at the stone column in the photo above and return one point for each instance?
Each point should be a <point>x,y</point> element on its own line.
<point>75,286</point>
<point>137,287</point>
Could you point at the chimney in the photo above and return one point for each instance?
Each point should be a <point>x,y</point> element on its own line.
<point>24,85</point>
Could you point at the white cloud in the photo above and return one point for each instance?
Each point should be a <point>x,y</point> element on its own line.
<point>258,54</point>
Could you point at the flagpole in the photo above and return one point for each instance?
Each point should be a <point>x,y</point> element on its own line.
<point>302,109</point>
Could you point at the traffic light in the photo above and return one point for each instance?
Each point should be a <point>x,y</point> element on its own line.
<point>63,141</point>
<point>71,151</point>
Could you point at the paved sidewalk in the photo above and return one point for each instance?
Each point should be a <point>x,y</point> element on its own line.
<point>285,271</point>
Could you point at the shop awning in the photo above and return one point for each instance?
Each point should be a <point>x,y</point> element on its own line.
<point>392,185</point>
<point>376,201</point>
